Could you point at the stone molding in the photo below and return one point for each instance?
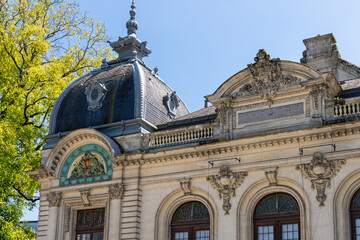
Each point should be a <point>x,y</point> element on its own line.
<point>226,182</point>
<point>116,191</point>
<point>40,173</point>
<point>320,171</point>
<point>54,199</point>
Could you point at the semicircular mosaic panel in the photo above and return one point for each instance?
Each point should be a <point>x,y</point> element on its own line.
<point>88,163</point>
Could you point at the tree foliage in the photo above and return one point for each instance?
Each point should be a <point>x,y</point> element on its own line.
<point>44,45</point>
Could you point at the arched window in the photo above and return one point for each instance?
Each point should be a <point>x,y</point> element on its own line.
<point>191,221</point>
<point>277,217</point>
<point>355,216</point>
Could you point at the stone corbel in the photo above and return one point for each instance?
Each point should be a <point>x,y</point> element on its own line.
<point>116,191</point>
<point>320,171</point>
<point>85,196</point>
<point>271,176</point>
<point>226,182</point>
<point>185,185</point>
<point>54,199</point>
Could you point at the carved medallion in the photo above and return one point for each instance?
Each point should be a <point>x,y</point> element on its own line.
<point>226,182</point>
<point>320,171</point>
<point>171,103</point>
<point>95,94</point>
<point>267,77</point>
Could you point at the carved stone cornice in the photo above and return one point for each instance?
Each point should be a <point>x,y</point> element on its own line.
<point>320,171</point>
<point>226,182</point>
<point>116,191</point>
<point>185,185</point>
<point>54,199</point>
<point>267,77</point>
<point>40,173</point>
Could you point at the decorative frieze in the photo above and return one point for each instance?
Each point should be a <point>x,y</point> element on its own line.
<point>185,185</point>
<point>116,191</point>
<point>226,182</point>
<point>320,171</point>
<point>54,199</point>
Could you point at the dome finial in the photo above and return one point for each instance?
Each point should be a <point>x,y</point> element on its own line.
<point>132,24</point>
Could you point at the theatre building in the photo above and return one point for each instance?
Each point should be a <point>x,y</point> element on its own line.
<point>274,154</point>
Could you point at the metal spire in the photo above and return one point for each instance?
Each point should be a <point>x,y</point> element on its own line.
<point>132,24</point>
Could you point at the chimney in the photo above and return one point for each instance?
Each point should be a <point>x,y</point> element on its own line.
<point>321,52</point>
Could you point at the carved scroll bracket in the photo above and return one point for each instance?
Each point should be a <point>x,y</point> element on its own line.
<point>271,176</point>
<point>185,185</point>
<point>54,199</point>
<point>226,182</point>
<point>320,171</point>
<point>85,196</point>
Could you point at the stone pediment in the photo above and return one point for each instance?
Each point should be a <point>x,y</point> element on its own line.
<point>264,79</point>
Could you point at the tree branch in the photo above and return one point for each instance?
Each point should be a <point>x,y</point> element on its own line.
<point>33,200</point>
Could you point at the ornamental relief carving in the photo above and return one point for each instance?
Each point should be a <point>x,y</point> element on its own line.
<point>54,199</point>
<point>116,191</point>
<point>226,182</point>
<point>320,171</point>
<point>267,78</point>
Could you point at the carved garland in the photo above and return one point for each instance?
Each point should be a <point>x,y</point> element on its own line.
<point>320,171</point>
<point>226,182</point>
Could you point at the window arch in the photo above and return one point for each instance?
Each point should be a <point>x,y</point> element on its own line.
<point>191,221</point>
<point>277,217</point>
<point>355,216</point>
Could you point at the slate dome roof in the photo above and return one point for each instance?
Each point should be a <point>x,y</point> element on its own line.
<point>122,90</point>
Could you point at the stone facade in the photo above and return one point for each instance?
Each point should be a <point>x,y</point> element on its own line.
<point>274,127</point>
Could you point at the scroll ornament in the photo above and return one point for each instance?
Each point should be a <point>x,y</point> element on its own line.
<point>226,182</point>
<point>267,77</point>
<point>320,171</point>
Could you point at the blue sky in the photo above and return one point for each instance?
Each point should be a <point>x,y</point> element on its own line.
<point>199,44</point>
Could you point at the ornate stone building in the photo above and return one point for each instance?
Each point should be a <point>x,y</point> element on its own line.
<point>276,155</point>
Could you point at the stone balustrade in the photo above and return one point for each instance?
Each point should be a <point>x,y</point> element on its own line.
<point>347,109</point>
<point>181,137</point>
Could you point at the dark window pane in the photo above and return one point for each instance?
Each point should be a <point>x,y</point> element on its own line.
<point>276,204</point>
<point>98,236</point>
<point>84,219</point>
<point>99,215</point>
<point>193,211</point>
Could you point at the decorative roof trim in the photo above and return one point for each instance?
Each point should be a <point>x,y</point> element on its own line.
<point>236,147</point>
